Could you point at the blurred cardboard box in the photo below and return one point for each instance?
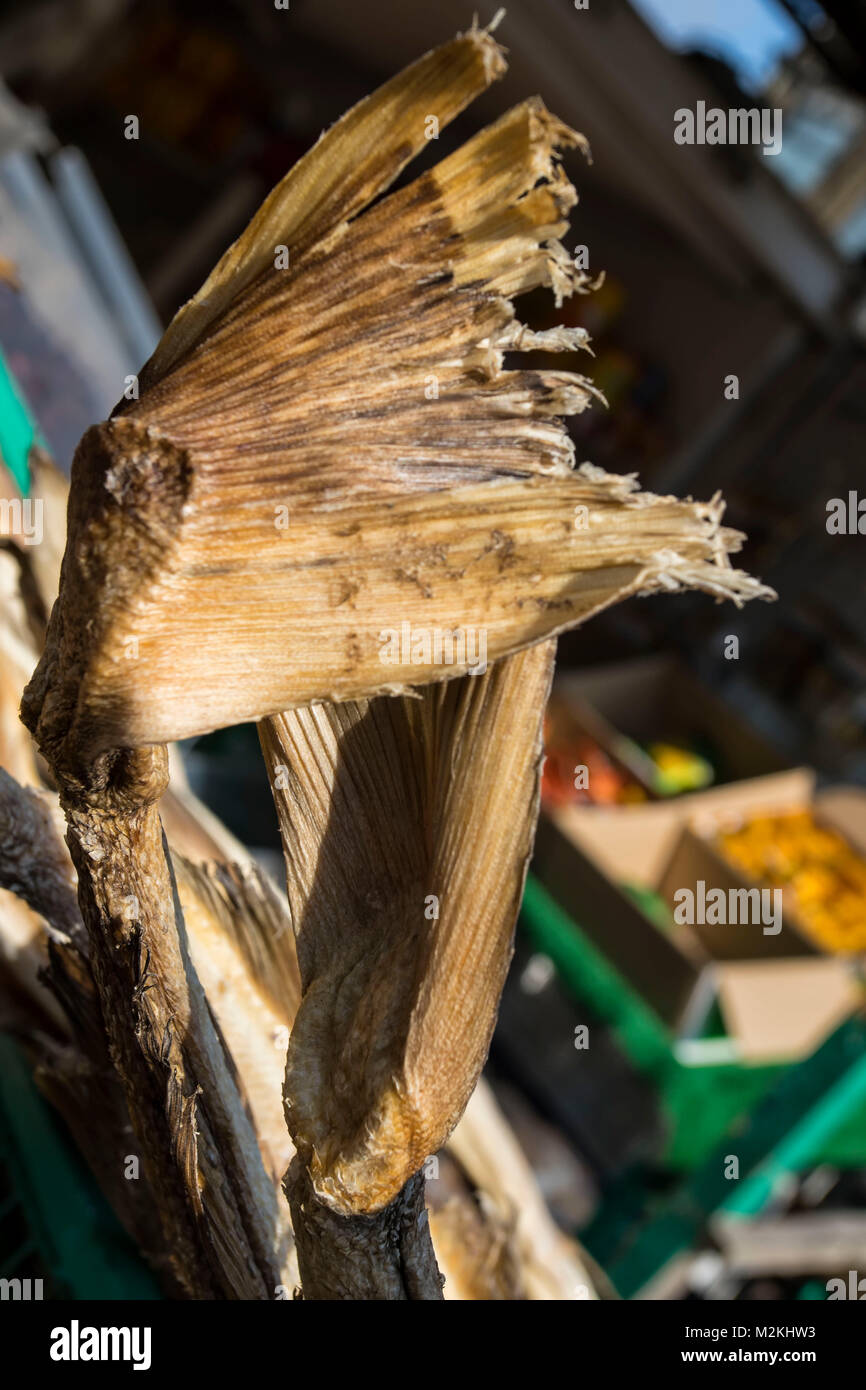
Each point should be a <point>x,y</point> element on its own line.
<point>779,989</point>
<point>778,993</point>
<point>628,705</point>
<point>695,861</point>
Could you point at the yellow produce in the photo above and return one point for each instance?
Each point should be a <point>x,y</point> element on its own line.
<point>822,878</point>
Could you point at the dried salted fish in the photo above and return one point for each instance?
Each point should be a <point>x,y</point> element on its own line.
<point>327,451</point>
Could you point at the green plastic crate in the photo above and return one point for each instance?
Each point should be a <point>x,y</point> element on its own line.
<point>777,1120</point>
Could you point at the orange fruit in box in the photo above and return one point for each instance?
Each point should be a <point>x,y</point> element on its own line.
<point>824,875</point>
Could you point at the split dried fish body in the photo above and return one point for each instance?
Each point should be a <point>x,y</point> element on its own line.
<point>341,452</point>
<point>348,167</point>
<point>356,391</point>
<point>407,825</point>
<point>241,945</point>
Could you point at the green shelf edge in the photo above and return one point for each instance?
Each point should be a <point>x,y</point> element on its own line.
<point>18,433</point>
<point>722,1090</point>
<point>801,1115</point>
